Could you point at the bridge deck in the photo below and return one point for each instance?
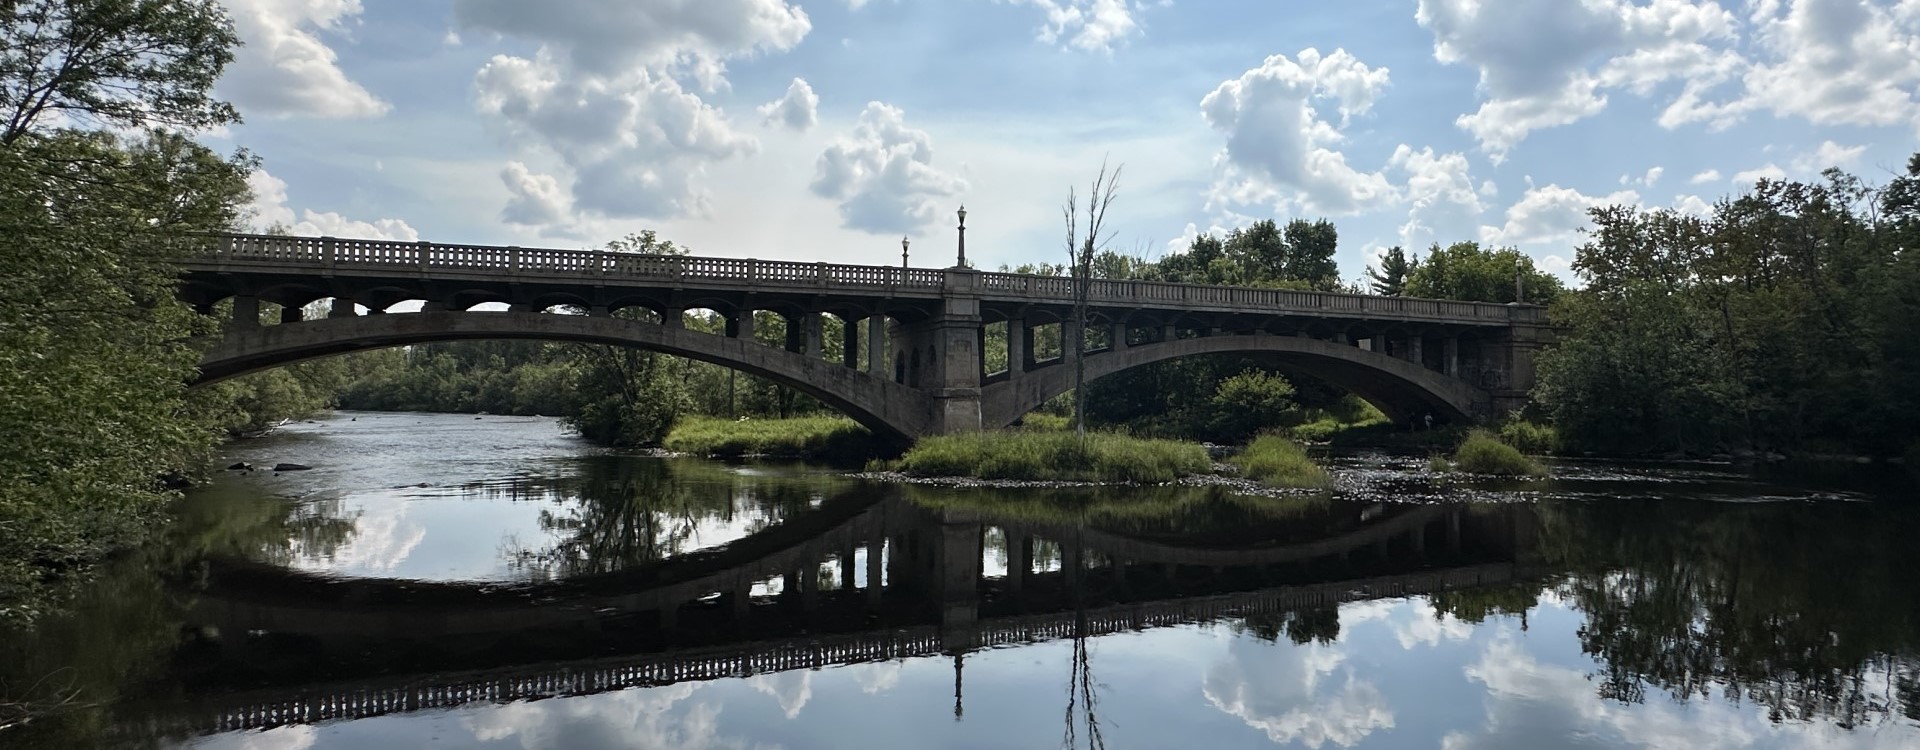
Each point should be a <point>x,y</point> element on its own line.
<point>338,257</point>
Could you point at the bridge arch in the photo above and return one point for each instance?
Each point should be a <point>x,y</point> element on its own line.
<point>890,410</point>
<point>1403,390</point>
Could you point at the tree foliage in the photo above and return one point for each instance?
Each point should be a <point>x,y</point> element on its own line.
<point>1467,271</point>
<point>1783,320</point>
<point>113,63</point>
<point>1390,277</point>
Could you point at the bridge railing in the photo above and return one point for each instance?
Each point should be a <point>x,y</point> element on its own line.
<point>1173,294</point>
<point>598,265</point>
<point>601,266</point>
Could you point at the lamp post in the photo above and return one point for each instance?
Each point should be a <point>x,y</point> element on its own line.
<point>963,237</point>
<point>903,252</point>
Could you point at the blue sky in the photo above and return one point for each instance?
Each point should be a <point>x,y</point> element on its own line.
<point>829,129</point>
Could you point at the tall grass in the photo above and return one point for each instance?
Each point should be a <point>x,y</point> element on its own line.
<point>1483,453</point>
<point>1056,456</point>
<point>1044,421</point>
<point>1277,461</point>
<point>1530,438</point>
<point>820,437</point>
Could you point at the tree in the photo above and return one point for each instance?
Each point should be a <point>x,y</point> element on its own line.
<point>1080,251</point>
<point>113,63</point>
<point>1390,278</point>
<point>1310,249</point>
<point>1466,271</point>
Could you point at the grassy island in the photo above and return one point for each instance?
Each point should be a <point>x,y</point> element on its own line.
<point>817,437</point>
<point>1277,461</point>
<point>1052,456</point>
<point>1483,453</point>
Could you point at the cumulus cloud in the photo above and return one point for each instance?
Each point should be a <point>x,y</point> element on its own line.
<point>1536,58</point>
<point>605,93</point>
<point>611,37</point>
<point>1087,25</point>
<point>635,145</point>
<point>1440,192</point>
<point>537,199</point>
<point>1550,217</point>
<point>796,110</point>
<point>269,210</point>
<point>1836,62</point>
<point>284,69</point>
<point>882,174</point>
<point>1279,144</point>
<point>1711,175</point>
<point>1770,172</point>
<point>1829,154</point>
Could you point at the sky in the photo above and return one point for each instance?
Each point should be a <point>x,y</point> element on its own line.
<point>828,130</point>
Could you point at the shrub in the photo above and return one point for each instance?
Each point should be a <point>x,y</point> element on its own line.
<point>1046,455</point>
<point>1275,460</point>
<point>1483,453</point>
<point>1529,437</point>
<point>1044,421</point>
<point>1437,464</point>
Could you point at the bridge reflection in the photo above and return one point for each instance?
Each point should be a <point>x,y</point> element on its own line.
<point>869,574</point>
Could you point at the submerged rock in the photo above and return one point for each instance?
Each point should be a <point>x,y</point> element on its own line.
<point>240,466</point>
<point>290,467</point>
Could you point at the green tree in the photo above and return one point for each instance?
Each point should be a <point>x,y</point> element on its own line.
<point>1466,271</point>
<point>1390,278</point>
<point>115,63</point>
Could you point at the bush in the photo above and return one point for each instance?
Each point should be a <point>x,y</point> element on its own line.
<point>816,437</point>
<point>1275,460</point>
<point>1437,464</point>
<point>1045,455</point>
<point>1483,453</point>
<point>1043,421</point>
<point>1529,437</point>
<point>1249,402</point>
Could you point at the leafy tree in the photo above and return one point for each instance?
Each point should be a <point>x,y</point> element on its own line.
<point>1390,278</point>
<point>1249,402</point>
<point>114,63</point>
<point>1466,271</point>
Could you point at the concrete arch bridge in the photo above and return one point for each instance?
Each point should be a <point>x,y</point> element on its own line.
<point>917,366</point>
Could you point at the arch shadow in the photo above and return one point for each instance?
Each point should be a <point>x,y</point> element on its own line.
<point>1401,389</point>
<point>890,410</point>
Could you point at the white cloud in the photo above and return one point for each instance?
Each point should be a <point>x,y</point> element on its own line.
<point>1536,58</point>
<point>797,109</point>
<point>269,209</point>
<point>1836,62</point>
<point>537,199</point>
<point>636,145</point>
<point>1770,171</point>
<point>284,69</point>
<point>1088,25</point>
<point>1711,175</point>
<point>609,38</point>
<point>1550,216</point>
<point>1692,205</point>
<point>1829,154</point>
<point>882,174</point>
<point>1440,191</point>
<point>1278,146</point>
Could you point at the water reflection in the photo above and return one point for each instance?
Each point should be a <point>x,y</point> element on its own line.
<point>695,604</point>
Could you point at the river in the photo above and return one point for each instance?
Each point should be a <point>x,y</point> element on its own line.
<point>459,582</point>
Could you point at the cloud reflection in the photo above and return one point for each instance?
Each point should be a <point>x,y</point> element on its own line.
<point>1296,693</point>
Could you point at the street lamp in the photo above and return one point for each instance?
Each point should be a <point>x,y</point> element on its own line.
<point>903,252</point>
<point>963,236</point>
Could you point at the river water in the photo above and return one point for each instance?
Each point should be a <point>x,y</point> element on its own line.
<point>447,581</point>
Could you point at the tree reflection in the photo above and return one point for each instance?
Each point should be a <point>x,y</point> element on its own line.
<point>1316,625</point>
<point>618,513</point>
<point>1763,600</point>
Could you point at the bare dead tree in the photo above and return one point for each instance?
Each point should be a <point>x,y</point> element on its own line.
<point>1080,252</point>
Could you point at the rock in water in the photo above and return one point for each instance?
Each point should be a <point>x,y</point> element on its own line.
<point>241,466</point>
<point>291,467</point>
